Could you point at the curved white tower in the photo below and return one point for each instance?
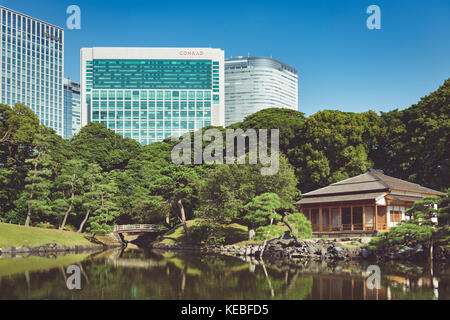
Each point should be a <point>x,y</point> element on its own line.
<point>256,83</point>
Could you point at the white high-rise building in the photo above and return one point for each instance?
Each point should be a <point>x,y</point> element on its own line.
<point>149,94</point>
<point>32,66</point>
<point>256,83</point>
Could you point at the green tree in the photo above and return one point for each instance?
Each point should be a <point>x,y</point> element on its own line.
<point>38,181</point>
<point>418,137</point>
<point>420,228</point>
<point>18,127</point>
<point>228,188</point>
<point>69,184</point>
<point>299,226</point>
<point>261,210</point>
<point>177,184</point>
<point>444,210</point>
<point>107,210</point>
<point>98,144</point>
<point>89,199</point>
<point>336,145</point>
<point>289,122</point>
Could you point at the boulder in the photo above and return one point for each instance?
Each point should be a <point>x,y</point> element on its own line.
<point>337,253</point>
<point>365,253</point>
<point>51,245</point>
<point>7,249</point>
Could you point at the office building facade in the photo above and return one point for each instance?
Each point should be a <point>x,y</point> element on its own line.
<point>149,94</point>
<point>256,83</point>
<point>32,66</point>
<point>72,108</point>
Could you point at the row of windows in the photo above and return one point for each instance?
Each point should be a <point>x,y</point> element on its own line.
<point>21,78</point>
<point>35,45</point>
<point>34,64</point>
<point>150,95</point>
<point>16,59</point>
<point>178,63</point>
<point>150,74</point>
<point>149,128</point>
<point>26,91</point>
<point>34,27</point>
<point>151,105</point>
<point>38,58</point>
<point>151,138</point>
<point>151,115</point>
<point>31,50</point>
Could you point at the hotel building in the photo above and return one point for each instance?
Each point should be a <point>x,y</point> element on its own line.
<point>72,108</point>
<point>256,83</point>
<point>32,66</point>
<point>149,94</point>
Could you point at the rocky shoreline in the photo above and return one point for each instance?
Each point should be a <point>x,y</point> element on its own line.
<point>51,248</point>
<point>315,249</point>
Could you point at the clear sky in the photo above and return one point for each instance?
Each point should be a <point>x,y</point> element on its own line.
<point>342,64</point>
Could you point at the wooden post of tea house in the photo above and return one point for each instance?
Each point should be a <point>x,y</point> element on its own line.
<point>330,222</point>
<point>351,218</point>
<point>376,217</point>
<point>364,218</point>
<point>357,195</point>
<point>320,220</point>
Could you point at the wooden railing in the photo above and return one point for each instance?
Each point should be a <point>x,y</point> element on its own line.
<point>138,228</point>
<point>341,227</point>
<point>381,226</point>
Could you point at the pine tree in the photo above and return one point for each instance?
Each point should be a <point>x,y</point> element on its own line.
<point>38,181</point>
<point>107,209</point>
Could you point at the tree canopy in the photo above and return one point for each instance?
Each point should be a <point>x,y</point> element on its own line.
<point>99,178</point>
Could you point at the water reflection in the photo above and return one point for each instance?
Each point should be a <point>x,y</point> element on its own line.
<point>146,274</point>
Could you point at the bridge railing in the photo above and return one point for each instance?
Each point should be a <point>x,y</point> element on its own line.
<point>136,227</point>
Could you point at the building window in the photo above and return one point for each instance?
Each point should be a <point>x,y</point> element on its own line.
<point>396,216</point>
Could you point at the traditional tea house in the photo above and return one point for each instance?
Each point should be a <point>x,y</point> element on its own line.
<point>366,203</point>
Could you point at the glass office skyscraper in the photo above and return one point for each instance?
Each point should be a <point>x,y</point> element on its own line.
<point>32,66</point>
<point>256,83</point>
<point>72,108</point>
<point>149,94</point>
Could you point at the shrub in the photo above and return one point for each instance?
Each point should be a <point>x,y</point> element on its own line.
<point>300,224</point>
<point>268,232</point>
<point>45,225</point>
<point>407,234</point>
<point>207,234</point>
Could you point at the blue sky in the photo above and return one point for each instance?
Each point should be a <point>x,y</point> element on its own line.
<point>342,64</point>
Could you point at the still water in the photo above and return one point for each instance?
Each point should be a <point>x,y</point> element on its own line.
<point>146,274</point>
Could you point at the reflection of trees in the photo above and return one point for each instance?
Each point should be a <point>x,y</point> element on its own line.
<point>191,276</point>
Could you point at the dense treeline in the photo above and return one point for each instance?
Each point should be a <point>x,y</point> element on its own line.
<point>99,178</point>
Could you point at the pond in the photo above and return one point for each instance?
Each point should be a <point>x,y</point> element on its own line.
<point>148,274</point>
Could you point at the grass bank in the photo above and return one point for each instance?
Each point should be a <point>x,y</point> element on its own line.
<point>10,267</point>
<point>234,233</point>
<point>18,236</point>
